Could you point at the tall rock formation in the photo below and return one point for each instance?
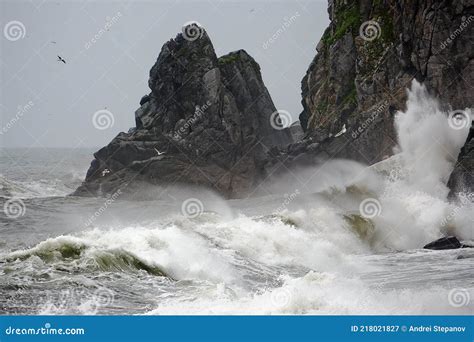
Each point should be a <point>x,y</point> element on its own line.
<point>207,121</point>
<point>367,58</point>
<point>212,116</point>
<point>462,177</point>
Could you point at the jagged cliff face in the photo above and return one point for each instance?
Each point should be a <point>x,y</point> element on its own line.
<point>368,56</point>
<point>207,121</point>
<point>462,177</point>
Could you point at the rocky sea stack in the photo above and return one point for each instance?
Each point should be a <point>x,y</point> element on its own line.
<point>208,121</point>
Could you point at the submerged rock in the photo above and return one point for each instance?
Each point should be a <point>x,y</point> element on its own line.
<point>207,121</point>
<point>449,242</point>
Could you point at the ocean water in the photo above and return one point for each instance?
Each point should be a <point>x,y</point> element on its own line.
<point>341,238</point>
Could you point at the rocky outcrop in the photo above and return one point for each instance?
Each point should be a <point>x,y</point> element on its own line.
<point>296,131</point>
<point>449,242</point>
<point>367,57</point>
<point>462,177</point>
<point>207,121</point>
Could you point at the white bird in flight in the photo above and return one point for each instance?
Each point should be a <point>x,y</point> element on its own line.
<point>158,152</point>
<point>343,130</point>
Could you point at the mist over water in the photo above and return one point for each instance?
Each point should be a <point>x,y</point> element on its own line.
<point>341,238</point>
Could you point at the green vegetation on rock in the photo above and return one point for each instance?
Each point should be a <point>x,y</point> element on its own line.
<point>322,106</point>
<point>347,18</point>
<point>227,59</point>
<point>351,97</point>
<point>239,56</point>
<point>384,18</point>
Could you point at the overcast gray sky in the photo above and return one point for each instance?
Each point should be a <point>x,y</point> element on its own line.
<point>112,73</point>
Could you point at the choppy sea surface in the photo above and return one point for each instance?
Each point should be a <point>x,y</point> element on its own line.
<point>301,250</point>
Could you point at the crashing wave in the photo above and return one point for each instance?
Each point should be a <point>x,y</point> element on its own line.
<point>67,253</point>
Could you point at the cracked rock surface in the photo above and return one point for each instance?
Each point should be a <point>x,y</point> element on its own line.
<point>367,58</point>
<point>206,121</point>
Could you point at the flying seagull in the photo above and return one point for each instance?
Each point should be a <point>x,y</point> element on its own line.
<point>158,152</point>
<point>343,130</point>
<point>60,59</point>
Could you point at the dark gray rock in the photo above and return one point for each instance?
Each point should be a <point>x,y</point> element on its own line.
<point>144,100</point>
<point>461,180</point>
<point>296,131</point>
<point>205,122</point>
<point>362,82</point>
<point>449,242</point>
<point>211,116</point>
